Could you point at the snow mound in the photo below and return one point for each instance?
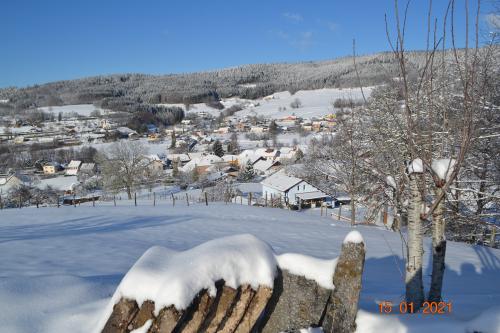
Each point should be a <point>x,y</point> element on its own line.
<point>319,270</point>
<point>487,321</point>
<point>353,237</point>
<point>443,167</point>
<point>416,166</point>
<point>169,278</point>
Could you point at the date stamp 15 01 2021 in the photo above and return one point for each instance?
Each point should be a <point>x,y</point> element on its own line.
<point>430,308</point>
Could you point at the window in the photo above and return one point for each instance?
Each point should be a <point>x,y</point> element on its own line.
<point>303,187</point>
<point>298,187</point>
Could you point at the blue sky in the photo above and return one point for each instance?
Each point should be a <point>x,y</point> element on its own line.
<point>51,40</point>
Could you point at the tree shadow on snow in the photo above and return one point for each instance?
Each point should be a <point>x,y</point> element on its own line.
<point>86,225</point>
<point>471,290</point>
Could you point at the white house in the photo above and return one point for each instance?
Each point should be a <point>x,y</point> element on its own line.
<point>8,181</point>
<point>73,168</point>
<point>291,190</point>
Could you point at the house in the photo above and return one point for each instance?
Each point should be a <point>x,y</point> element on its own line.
<point>51,168</point>
<point>287,153</point>
<point>266,167</point>
<point>8,182</point>
<point>231,160</point>
<point>250,156</point>
<point>258,129</point>
<point>152,128</point>
<point>73,168</point>
<point>88,168</point>
<point>182,158</point>
<point>203,164</point>
<point>242,127</point>
<point>127,133</point>
<point>291,190</point>
<point>104,124</point>
<point>155,163</point>
<point>232,172</point>
<point>222,130</point>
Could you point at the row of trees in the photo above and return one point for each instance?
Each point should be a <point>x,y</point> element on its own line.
<point>426,144</point>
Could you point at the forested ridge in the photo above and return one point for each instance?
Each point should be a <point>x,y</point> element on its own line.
<point>131,92</point>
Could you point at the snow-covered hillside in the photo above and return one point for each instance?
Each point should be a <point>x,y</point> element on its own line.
<point>314,103</point>
<point>81,109</point>
<point>60,266</point>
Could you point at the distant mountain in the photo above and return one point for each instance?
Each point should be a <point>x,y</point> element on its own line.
<point>132,91</point>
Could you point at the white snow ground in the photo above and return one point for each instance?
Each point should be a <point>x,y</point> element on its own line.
<point>315,103</point>
<point>60,266</point>
<point>82,109</point>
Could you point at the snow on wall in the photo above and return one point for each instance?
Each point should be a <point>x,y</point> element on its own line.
<point>353,237</point>
<point>320,270</point>
<point>170,278</point>
<point>175,278</point>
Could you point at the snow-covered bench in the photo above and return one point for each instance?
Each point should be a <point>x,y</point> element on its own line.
<point>237,284</point>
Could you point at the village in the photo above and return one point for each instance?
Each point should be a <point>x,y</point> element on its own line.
<point>60,149</point>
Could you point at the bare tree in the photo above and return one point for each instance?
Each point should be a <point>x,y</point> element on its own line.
<point>123,166</point>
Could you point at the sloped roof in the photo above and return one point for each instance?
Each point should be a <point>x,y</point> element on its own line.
<point>249,155</point>
<point>207,160</point>
<point>74,164</point>
<point>181,157</point>
<point>87,166</point>
<point>312,195</point>
<point>281,181</point>
<point>229,158</point>
<point>264,165</point>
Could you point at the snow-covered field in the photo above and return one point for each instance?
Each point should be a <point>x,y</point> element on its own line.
<point>81,109</point>
<point>60,266</point>
<point>314,103</point>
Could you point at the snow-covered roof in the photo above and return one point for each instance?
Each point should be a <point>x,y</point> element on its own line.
<point>281,181</point>
<point>213,176</point>
<point>312,195</point>
<point>87,167</point>
<point>7,182</point>
<point>59,183</point>
<point>206,160</point>
<point>154,157</point>
<point>229,158</point>
<point>125,131</point>
<point>250,155</point>
<point>181,157</point>
<point>74,164</point>
<point>264,165</point>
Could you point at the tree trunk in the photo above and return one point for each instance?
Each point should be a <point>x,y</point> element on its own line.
<point>438,250</point>
<point>129,193</point>
<point>414,285</point>
<point>353,211</point>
